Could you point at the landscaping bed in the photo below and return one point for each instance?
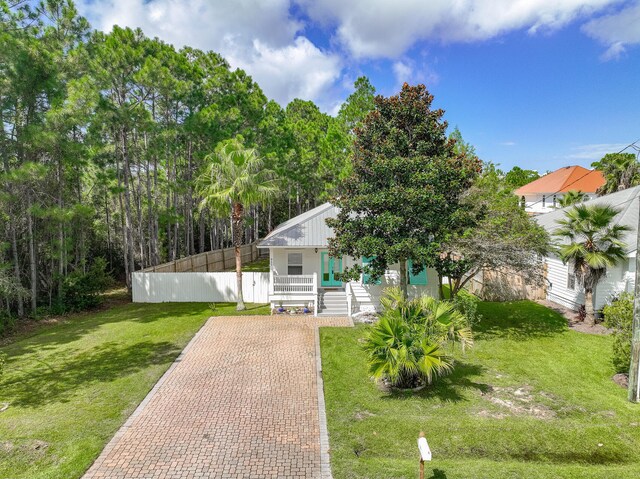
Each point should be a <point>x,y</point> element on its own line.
<point>532,399</point>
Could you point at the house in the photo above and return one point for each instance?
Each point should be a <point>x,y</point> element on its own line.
<point>302,273</point>
<point>542,195</point>
<point>562,287</point>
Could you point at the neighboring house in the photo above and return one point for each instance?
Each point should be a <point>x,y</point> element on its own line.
<point>562,286</point>
<point>542,195</point>
<point>302,273</point>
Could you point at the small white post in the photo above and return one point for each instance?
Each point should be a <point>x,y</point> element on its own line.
<point>315,294</point>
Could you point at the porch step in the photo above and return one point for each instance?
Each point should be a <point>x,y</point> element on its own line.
<point>332,303</point>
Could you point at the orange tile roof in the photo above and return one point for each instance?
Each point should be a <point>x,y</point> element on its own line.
<point>563,180</point>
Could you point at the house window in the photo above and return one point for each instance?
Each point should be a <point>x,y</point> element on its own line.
<point>523,202</point>
<point>294,264</point>
<point>544,200</point>
<point>554,201</point>
<point>571,281</point>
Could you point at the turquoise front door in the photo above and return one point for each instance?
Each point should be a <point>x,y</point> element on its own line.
<point>328,268</point>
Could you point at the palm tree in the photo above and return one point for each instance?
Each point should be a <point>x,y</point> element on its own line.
<point>407,346</point>
<point>620,170</point>
<point>572,197</point>
<point>592,243</point>
<point>235,178</point>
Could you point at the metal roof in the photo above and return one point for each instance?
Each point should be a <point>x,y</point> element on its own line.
<point>626,201</point>
<point>306,230</point>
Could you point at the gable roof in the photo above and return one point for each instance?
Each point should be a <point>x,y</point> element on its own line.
<point>563,180</point>
<point>306,230</point>
<point>625,200</point>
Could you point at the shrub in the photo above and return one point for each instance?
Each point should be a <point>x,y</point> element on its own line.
<point>2,362</point>
<point>82,290</point>
<point>407,346</point>
<point>467,304</point>
<point>618,316</point>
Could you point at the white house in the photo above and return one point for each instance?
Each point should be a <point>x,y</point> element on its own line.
<point>542,195</point>
<point>302,273</point>
<point>562,287</point>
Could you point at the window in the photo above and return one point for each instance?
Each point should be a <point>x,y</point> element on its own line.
<point>544,200</point>
<point>571,281</point>
<point>554,201</point>
<point>523,202</point>
<point>420,278</point>
<point>294,264</point>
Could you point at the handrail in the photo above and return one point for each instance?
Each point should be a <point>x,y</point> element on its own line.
<point>349,293</point>
<point>294,283</point>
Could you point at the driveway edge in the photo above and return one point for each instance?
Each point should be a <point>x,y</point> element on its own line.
<point>325,460</point>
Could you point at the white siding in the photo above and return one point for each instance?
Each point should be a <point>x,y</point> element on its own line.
<point>198,287</point>
<point>617,280</point>
<point>367,296</point>
<point>533,203</point>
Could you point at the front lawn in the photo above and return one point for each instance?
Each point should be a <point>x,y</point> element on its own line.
<point>70,386</point>
<point>532,399</point>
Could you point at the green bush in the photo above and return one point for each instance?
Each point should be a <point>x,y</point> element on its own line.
<point>618,316</point>
<point>467,304</point>
<point>407,346</point>
<point>82,290</point>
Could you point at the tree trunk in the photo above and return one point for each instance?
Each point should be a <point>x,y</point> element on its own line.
<point>16,266</point>
<point>588,307</point>
<point>440,288</point>
<point>32,258</point>
<point>403,277</point>
<point>236,231</point>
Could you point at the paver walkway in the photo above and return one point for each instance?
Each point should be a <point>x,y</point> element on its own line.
<point>242,401</point>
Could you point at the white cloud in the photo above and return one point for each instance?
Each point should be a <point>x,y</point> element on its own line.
<point>508,143</point>
<point>380,28</point>
<point>259,36</point>
<point>402,71</point>
<point>616,31</point>
<point>299,70</point>
<point>594,152</point>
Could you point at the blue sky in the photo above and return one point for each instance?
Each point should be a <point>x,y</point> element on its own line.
<point>534,83</point>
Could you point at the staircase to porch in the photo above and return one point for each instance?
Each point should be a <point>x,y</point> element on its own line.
<point>332,302</point>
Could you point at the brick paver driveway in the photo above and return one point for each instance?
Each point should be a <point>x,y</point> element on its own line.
<point>242,401</point>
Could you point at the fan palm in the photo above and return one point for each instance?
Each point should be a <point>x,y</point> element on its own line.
<point>407,346</point>
<point>593,243</point>
<point>572,197</point>
<point>235,179</point>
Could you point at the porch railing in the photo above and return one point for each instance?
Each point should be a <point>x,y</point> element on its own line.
<point>303,283</point>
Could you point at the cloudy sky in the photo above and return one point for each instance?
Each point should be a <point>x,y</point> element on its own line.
<point>535,83</point>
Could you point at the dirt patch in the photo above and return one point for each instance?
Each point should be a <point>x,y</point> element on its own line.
<point>4,406</point>
<point>361,415</point>
<point>621,380</point>
<point>516,401</point>
<point>573,322</point>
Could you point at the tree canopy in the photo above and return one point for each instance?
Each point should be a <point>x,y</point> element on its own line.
<point>405,186</point>
<point>620,170</point>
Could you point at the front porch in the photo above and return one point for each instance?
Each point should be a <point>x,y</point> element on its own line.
<point>303,290</point>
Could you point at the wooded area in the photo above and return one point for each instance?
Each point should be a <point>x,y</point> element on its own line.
<point>104,134</point>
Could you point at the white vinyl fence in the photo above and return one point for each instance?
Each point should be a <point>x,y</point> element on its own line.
<point>198,287</point>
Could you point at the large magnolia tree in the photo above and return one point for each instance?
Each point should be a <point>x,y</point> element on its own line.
<point>404,189</point>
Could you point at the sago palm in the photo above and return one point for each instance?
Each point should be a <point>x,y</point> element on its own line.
<point>592,243</point>
<point>407,346</point>
<point>235,179</point>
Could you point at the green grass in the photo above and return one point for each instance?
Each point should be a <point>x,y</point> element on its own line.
<point>573,421</point>
<point>70,386</point>
<point>258,266</point>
